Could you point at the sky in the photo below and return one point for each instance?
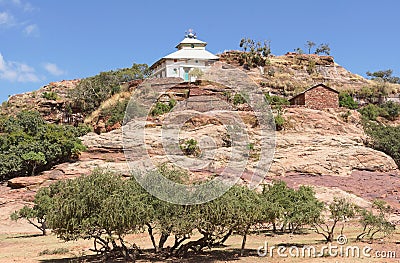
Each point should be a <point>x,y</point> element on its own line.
<point>48,40</point>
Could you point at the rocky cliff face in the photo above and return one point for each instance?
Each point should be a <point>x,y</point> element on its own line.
<point>51,107</point>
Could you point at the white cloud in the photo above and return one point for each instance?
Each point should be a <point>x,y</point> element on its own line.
<point>53,69</point>
<point>24,5</point>
<point>6,19</point>
<point>31,30</point>
<point>16,71</point>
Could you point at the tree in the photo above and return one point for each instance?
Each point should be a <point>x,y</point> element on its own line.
<point>36,215</point>
<point>305,208</point>
<point>100,206</point>
<point>384,75</point>
<point>34,159</point>
<point>299,51</point>
<point>91,92</point>
<point>276,196</point>
<point>376,223</point>
<point>370,112</point>
<point>323,49</point>
<point>28,145</point>
<point>255,53</point>
<point>309,45</point>
<point>340,210</point>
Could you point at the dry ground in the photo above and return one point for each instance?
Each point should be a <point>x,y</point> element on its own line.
<point>26,248</point>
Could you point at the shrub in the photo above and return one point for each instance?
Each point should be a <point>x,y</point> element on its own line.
<point>279,122</point>
<point>190,147</point>
<point>385,139</point>
<point>255,53</point>
<point>239,99</point>
<point>370,112</point>
<point>115,113</point>
<point>56,251</point>
<point>92,91</point>
<point>161,108</point>
<point>391,110</point>
<point>347,101</point>
<point>276,100</point>
<point>51,95</point>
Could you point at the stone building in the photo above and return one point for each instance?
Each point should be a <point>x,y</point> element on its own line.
<point>191,54</point>
<point>317,97</point>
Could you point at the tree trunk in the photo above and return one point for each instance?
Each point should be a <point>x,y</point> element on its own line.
<point>226,237</point>
<point>153,241</point>
<point>244,240</point>
<point>243,244</point>
<point>163,239</point>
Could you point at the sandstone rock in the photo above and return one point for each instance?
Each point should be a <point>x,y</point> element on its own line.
<point>22,182</point>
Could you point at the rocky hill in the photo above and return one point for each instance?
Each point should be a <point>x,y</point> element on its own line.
<point>292,73</point>
<point>313,144</point>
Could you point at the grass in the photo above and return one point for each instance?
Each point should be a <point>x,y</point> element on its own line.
<point>57,251</point>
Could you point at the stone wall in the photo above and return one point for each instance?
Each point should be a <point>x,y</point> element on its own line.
<point>321,97</point>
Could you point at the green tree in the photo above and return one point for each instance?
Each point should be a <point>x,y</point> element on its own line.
<point>391,110</point>
<point>384,75</point>
<point>33,160</point>
<point>309,45</point>
<point>323,49</point>
<point>376,223</point>
<point>28,145</point>
<point>92,91</point>
<point>340,210</point>
<point>304,208</point>
<point>101,207</point>
<point>36,215</point>
<point>255,53</point>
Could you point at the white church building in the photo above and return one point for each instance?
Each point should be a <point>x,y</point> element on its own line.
<point>191,54</point>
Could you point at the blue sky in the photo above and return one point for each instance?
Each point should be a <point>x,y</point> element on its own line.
<point>48,40</point>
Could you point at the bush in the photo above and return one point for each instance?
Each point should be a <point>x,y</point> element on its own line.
<point>161,108</point>
<point>92,91</point>
<point>115,113</point>
<point>239,99</point>
<point>385,139</point>
<point>56,251</point>
<point>190,147</point>
<point>276,100</point>
<point>279,122</point>
<point>370,112</point>
<point>390,110</point>
<point>28,145</point>
<point>347,101</point>
<point>51,95</point>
